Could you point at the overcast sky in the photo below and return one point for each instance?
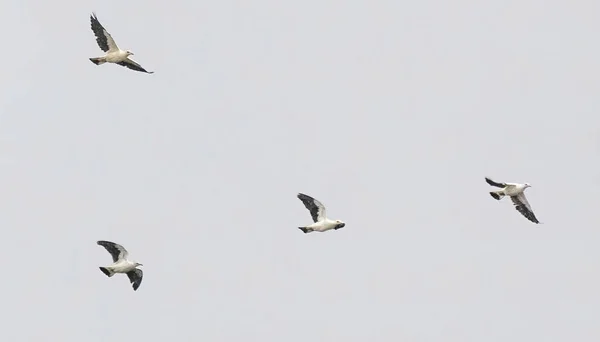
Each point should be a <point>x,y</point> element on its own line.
<point>389,112</point>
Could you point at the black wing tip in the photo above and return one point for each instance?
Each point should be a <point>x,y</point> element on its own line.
<point>526,213</point>
<point>135,284</point>
<point>306,199</point>
<point>533,219</point>
<point>135,278</point>
<point>492,183</point>
<point>303,196</point>
<point>134,67</point>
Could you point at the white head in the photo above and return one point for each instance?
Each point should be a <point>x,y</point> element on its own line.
<point>527,185</point>
<point>129,53</point>
<point>138,264</point>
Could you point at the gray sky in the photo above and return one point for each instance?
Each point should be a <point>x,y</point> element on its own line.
<point>391,113</point>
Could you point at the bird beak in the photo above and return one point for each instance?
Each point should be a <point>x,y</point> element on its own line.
<point>341,225</point>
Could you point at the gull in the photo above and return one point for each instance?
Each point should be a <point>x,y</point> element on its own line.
<point>113,53</point>
<point>317,211</point>
<point>517,195</point>
<point>121,264</point>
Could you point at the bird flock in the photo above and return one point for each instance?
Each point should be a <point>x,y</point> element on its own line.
<point>321,223</point>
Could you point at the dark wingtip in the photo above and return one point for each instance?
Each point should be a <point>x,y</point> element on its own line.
<point>303,229</point>
<point>493,183</point>
<point>301,195</point>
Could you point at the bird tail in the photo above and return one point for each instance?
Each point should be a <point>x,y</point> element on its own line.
<point>106,271</point>
<point>497,195</point>
<point>98,60</point>
<point>305,230</point>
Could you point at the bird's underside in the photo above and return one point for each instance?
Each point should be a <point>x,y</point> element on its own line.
<point>516,194</point>
<point>113,53</point>
<point>121,264</point>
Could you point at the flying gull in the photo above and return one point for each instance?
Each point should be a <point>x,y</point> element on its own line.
<point>517,195</point>
<point>317,211</point>
<point>113,53</point>
<point>121,264</point>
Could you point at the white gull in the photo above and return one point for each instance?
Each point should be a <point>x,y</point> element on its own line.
<point>317,211</point>
<point>113,53</point>
<point>121,264</point>
<point>517,195</point>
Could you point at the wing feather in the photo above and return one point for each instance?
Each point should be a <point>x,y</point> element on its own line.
<point>492,183</point>
<point>103,38</point>
<point>129,63</point>
<point>135,278</point>
<point>316,208</point>
<point>522,206</point>
<point>117,251</point>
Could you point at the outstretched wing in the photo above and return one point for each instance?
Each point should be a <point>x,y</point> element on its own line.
<point>133,66</point>
<point>135,277</point>
<point>492,183</point>
<point>522,206</point>
<point>103,38</point>
<point>117,251</point>
<point>316,208</point>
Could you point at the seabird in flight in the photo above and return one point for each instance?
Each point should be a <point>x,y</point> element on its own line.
<point>121,264</point>
<point>317,211</point>
<point>113,53</point>
<point>517,195</point>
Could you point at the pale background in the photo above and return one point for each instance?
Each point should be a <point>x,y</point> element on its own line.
<point>389,112</point>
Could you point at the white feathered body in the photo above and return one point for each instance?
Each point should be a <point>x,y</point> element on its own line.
<point>116,57</point>
<point>323,226</point>
<point>122,266</point>
<point>513,189</point>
